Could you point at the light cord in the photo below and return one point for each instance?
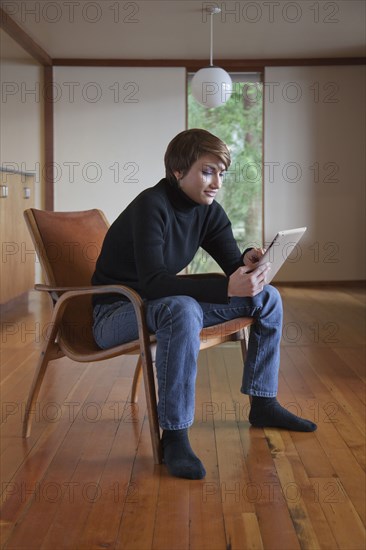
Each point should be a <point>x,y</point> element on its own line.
<point>211,40</point>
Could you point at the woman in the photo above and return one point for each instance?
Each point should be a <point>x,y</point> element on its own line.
<point>151,241</point>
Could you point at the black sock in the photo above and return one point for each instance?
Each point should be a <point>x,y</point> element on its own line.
<point>179,457</point>
<point>267,412</point>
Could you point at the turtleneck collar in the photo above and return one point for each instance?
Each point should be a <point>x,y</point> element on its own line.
<point>178,198</point>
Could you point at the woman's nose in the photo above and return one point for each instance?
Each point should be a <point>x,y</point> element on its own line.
<point>216,181</point>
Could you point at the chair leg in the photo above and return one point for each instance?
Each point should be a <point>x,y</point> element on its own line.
<point>244,343</point>
<point>151,402</point>
<point>136,381</point>
<point>51,352</point>
<point>244,349</point>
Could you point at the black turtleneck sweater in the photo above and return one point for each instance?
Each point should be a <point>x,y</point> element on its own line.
<point>157,236</point>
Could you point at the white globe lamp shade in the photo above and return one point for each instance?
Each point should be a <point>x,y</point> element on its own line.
<point>211,87</point>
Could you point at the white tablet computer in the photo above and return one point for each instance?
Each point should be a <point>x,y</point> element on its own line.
<point>280,248</point>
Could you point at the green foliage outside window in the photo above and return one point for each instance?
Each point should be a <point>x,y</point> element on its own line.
<point>239,124</point>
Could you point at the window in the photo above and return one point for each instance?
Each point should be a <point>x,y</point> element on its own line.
<point>239,124</point>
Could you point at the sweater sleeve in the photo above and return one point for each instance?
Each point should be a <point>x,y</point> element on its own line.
<point>157,279</point>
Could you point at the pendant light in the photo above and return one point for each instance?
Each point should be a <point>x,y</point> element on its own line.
<point>211,86</point>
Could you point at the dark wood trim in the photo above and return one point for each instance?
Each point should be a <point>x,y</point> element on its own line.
<point>48,137</point>
<point>254,65</point>
<point>23,39</point>
<point>263,155</point>
<point>186,98</point>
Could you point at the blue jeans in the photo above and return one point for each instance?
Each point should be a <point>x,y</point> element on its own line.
<point>177,321</point>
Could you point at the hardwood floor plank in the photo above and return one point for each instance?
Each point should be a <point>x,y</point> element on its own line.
<point>305,490</point>
<point>339,455</point>
<point>137,523</point>
<point>336,377</point>
<point>58,472</point>
<point>292,486</point>
<point>348,470</point>
<point>233,473</point>
<point>347,412</point>
<point>172,514</point>
<point>43,447</point>
<point>56,386</point>
<point>275,523</point>
<point>253,539</point>
<point>324,408</point>
<point>60,400</point>
<point>355,359</point>
<point>207,528</point>
<point>258,488</point>
<point>322,317</point>
<point>357,292</point>
<point>341,515</point>
<point>15,363</point>
<point>93,449</point>
<point>126,519</point>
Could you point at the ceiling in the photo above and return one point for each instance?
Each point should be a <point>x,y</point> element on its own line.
<point>180,29</point>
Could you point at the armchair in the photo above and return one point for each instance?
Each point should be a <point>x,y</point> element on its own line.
<point>68,244</point>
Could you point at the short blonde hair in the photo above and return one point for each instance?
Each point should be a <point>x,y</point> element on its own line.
<point>188,146</point>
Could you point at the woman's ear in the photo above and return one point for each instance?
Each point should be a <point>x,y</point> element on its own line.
<point>177,174</point>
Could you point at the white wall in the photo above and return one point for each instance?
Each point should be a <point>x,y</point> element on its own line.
<point>315,168</point>
<point>112,126</point>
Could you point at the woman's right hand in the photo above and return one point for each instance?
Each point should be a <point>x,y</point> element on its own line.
<point>247,282</point>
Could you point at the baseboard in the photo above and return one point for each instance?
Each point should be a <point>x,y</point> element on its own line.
<point>21,300</point>
<point>313,284</point>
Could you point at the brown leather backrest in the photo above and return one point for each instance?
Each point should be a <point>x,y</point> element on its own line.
<point>68,244</point>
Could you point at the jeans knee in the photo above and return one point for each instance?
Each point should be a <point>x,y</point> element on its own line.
<point>272,301</point>
<point>186,309</point>
<point>273,293</point>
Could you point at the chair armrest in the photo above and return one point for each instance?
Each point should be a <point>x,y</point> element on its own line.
<point>72,292</point>
<point>49,288</point>
<point>133,297</point>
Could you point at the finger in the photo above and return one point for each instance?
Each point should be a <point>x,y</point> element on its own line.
<point>261,269</point>
<point>246,269</point>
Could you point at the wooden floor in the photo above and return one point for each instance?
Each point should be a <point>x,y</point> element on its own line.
<point>85,478</point>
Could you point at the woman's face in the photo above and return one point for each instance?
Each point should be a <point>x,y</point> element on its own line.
<point>203,180</point>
